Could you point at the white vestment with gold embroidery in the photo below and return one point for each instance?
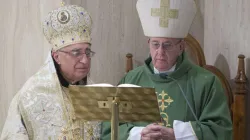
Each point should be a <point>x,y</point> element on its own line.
<point>41,110</point>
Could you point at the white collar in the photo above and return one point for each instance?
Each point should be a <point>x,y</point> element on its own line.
<point>168,71</point>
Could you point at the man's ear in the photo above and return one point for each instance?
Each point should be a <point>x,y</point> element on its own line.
<point>183,45</point>
<point>148,40</point>
<point>55,56</point>
<point>148,43</point>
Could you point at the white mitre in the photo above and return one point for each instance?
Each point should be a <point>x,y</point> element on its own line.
<point>166,18</point>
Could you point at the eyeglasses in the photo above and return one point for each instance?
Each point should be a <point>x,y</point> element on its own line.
<point>78,54</point>
<point>166,46</point>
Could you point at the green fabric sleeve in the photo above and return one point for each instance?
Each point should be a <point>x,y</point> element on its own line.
<point>214,122</point>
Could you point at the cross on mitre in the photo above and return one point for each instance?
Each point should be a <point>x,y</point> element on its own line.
<point>165,13</point>
<point>62,3</point>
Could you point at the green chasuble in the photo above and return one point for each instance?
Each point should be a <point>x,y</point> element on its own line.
<point>203,90</point>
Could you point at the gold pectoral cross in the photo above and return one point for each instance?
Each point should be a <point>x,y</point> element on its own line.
<point>165,13</point>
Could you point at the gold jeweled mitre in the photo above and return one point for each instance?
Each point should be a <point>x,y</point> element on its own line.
<point>67,25</point>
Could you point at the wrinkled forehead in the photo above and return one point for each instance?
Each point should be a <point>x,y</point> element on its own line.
<point>78,46</point>
<point>164,39</point>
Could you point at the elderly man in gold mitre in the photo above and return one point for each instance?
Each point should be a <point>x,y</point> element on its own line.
<point>42,109</point>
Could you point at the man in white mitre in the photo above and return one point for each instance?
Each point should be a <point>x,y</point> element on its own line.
<point>192,101</point>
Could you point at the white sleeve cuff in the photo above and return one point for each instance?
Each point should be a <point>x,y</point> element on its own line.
<point>183,131</point>
<point>135,133</point>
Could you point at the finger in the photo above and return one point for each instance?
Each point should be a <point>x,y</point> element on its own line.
<point>145,138</point>
<point>151,129</point>
<point>151,124</point>
<point>148,130</point>
<point>155,127</point>
<point>167,131</point>
<point>153,136</point>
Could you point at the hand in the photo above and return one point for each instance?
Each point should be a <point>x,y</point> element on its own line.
<point>157,132</point>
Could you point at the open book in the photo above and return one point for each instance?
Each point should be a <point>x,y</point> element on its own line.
<point>109,85</point>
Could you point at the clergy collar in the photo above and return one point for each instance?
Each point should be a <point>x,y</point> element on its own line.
<point>168,71</point>
<point>182,66</point>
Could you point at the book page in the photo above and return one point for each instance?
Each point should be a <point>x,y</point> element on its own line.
<point>128,85</point>
<point>109,85</point>
<point>100,85</point>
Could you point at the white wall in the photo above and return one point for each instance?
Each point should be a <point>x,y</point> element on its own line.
<point>227,34</point>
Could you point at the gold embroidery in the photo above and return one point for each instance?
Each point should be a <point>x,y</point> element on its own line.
<point>71,133</point>
<point>41,104</point>
<point>63,17</point>
<point>165,13</point>
<point>165,120</point>
<point>90,133</point>
<point>62,3</point>
<point>163,100</point>
<point>67,25</point>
